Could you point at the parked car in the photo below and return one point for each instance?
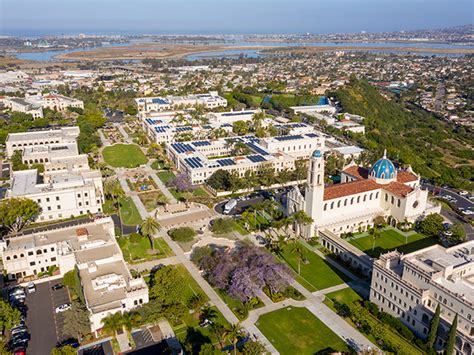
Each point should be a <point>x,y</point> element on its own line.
<point>31,287</point>
<point>57,287</point>
<point>19,329</point>
<point>62,308</point>
<point>19,350</point>
<point>463,193</point>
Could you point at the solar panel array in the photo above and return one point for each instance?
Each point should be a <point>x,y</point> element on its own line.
<point>256,158</point>
<point>257,149</point>
<point>225,162</point>
<point>312,135</point>
<point>288,138</point>
<point>182,147</point>
<point>237,113</point>
<point>151,121</point>
<point>194,162</point>
<point>184,129</point>
<point>201,143</point>
<point>162,129</point>
<point>159,101</point>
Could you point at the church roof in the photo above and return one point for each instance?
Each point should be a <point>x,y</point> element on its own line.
<point>350,188</point>
<point>360,186</point>
<point>406,176</point>
<point>383,169</point>
<point>356,171</point>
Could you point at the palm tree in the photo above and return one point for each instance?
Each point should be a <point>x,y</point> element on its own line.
<point>298,250</point>
<point>112,323</point>
<point>301,219</point>
<point>375,234</point>
<point>130,320</point>
<point>149,227</point>
<point>232,333</point>
<point>257,119</point>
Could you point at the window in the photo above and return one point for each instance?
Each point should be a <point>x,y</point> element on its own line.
<point>47,199</point>
<point>38,252</point>
<point>49,208</point>
<point>339,203</point>
<point>59,207</point>
<point>57,198</point>
<point>30,253</point>
<point>32,263</point>
<point>398,203</point>
<point>53,258</point>
<point>79,195</point>
<point>352,200</point>
<point>325,206</point>
<point>358,199</point>
<point>392,200</point>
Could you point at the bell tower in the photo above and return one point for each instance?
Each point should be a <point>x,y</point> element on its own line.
<point>314,196</point>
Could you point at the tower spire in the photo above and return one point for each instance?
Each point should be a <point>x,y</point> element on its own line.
<point>385,153</point>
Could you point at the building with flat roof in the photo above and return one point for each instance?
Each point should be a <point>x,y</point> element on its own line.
<point>209,101</point>
<point>323,106</point>
<point>55,102</point>
<point>411,286</point>
<point>19,104</point>
<point>200,159</point>
<point>92,251</point>
<point>17,141</point>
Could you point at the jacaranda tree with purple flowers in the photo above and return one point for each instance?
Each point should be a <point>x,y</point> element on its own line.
<point>181,183</point>
<point>243,271</point>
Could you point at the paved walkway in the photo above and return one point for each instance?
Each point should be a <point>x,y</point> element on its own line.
<point>163,188</point>
<point>124,134</point>
<point>140,207</point>
<point>149,265</point>
<point>123,342</point>
<point>105,141</point>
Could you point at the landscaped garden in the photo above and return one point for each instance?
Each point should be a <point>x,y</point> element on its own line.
<point>390,239</point>
<point>128,212</point>
<point>141,183</point>
<point>124,156</point>
<point>283,326</point>
<point>152,199</point>
<point>315,272</point>
<point>136,248</point>
<point>389,333</point>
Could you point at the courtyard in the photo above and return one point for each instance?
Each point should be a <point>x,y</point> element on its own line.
<point>316,274</point>
<point>391,239</point>
<point>283,326</point>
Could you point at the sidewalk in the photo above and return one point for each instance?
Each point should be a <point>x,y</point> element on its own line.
<point>163,188</point>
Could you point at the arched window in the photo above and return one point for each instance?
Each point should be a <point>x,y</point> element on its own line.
<point>345,202</point>
<point>365,197</point>
<point>358,199</point>
<point>370,196</point>
<point>338,203</point>
<point>352,200</point>
<point>325,206</point>
<point>332,205</point>
<point>392,200</point>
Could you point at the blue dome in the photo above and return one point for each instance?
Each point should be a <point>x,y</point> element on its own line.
<point>317,154</point>
<point>383,169</point>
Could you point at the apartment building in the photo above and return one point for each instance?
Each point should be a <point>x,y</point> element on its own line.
<point>411,286</point>
<point>92,251</point>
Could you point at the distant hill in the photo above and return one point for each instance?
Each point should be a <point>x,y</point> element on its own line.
<point>434,148</point>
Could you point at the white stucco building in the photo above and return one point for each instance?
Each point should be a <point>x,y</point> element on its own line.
<point>209,101</point>
<point>362,195</point>
<point>411,286</point>
<point>92,251</point>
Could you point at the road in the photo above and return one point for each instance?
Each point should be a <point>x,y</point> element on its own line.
<point>243,205</point>
<point>462,201</point>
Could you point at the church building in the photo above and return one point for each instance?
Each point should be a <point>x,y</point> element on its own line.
<point>362,195</point>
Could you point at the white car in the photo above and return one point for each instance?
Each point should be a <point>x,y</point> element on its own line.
<point>463,193</point>
<point>63,307</point>
<point>31,287</point>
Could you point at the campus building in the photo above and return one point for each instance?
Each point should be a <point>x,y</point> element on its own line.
<point>19,104</point>
<point>92,251</point>
<point>362,195</point>
<point>209,101</point>
<point>200,159</point>
<point>17,141</point>
<point>55,102</point>
<point>411,286</point>
<point>323,106</point>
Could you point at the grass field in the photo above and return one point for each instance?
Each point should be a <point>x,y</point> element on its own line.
<point>348,296</point>
<point>129,212</point>
<point>316,273</point>
<point>124,156</point>
<point>390,239</point>
<point>138,249</point>
<point>193,287</point>
<point>165,176</point>
<point>294,330</point>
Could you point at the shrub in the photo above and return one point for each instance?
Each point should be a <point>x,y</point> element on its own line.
<point>182,234</point>
<point>223,225</point>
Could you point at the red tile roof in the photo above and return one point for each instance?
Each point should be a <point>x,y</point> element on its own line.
<point>406,176</point>
<point>357,171</point>
<point>397,188</point>
<point>350,188</point>
<point>82,231</point>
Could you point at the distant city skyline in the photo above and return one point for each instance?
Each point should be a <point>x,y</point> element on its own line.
<point>54,17</point>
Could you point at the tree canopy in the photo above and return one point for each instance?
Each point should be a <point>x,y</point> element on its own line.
<point>17,213</point>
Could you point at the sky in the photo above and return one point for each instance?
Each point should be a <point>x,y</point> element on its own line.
<point>40,17</point>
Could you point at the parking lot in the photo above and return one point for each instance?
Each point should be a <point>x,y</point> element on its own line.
<point>44,325</point>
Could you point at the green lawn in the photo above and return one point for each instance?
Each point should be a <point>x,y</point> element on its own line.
<point>348,296</point>
<point>193,287</point>
<point>165,176</point>
<point>138,249</point>
<point>391,239</point>
<point>316,273</point>
<point>124,156</point>
<point>295,330</point>
<point>129,212</point>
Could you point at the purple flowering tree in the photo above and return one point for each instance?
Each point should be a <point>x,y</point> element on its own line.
<point>181,183</point>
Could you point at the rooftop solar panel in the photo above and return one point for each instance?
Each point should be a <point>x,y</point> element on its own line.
<point>288,138</point>
<point>256,158</point>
